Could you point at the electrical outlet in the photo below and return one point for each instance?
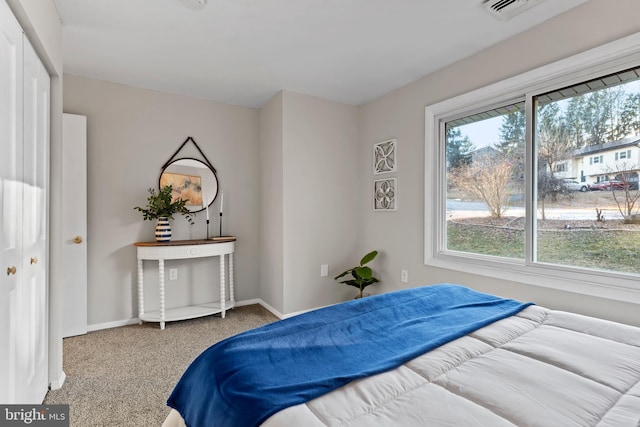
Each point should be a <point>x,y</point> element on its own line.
<point>404,276</point>
<point>173,274</point>
<point>324,270</point>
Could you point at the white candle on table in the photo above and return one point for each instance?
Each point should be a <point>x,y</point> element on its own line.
<point>206,206</point>
<point>221,201</point>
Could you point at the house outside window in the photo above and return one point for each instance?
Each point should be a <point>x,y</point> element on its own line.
<point>522,206</point>
<point>623,155</point>
<point>560,167</point>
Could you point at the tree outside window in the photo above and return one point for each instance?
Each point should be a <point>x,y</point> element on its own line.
<point>589,137</point>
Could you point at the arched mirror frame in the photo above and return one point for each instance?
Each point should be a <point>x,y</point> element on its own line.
<point>193,179</point>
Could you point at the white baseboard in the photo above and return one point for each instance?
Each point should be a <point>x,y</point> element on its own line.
<point>135,320</point>
<point>57,383</point>
<point>271,309</point>
<point>114,324</point>
<point>280,315</point>
<point>295,313</point>
<point>249,302</point>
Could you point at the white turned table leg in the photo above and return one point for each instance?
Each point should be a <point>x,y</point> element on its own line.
<point>223,286</point>
<point>161,289</point>
<point>231,291</point>
<point>140,292</point>
<point>187,249</point>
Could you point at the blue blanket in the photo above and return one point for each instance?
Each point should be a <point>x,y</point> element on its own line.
<point>244,379</point>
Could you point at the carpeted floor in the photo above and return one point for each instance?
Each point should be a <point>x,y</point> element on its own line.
<point>123,376</point>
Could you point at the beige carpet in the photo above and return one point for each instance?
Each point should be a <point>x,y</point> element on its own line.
<point>123,376</point>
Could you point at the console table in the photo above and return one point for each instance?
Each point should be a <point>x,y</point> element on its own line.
<point>185,249</point>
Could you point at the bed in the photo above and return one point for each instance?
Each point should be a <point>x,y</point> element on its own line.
<point>440,355</point>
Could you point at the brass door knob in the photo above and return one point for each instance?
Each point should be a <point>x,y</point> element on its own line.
<point>77,239</point>
<point>11,270</point>
<point>34,260</point>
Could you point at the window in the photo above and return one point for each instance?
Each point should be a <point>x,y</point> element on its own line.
<point>598,114</point>
<point>485,157</point>
<point>560,167</point>
<point>623,155</point>
<point>507,160</point>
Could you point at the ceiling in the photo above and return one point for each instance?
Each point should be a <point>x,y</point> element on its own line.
<point>243,52</point>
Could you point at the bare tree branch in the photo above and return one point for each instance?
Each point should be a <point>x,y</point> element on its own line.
<point>486,178</point>
<point>626,202</point>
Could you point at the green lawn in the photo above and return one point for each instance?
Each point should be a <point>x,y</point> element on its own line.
<point>615,250</point>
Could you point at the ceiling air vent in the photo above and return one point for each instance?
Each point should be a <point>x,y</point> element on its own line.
<point>506,9</point>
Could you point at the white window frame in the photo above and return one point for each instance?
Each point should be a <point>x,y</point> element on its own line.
<point>596,62</point>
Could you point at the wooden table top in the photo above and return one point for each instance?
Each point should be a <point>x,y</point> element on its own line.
<point>211,240</point>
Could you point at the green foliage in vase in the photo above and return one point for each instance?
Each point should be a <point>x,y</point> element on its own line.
<point>362,276</point>
<point>161,205</point>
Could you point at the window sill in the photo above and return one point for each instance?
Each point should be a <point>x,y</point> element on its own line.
<point>593,283</point>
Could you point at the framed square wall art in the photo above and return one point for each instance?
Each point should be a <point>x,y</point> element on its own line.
<point>384,194</point>
<point>384,156</point>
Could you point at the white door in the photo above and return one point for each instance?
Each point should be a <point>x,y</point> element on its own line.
<point>74,212</point>
<point>10,196</point>
<point>32,360</point>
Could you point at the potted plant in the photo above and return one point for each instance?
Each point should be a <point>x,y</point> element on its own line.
<point>362,275</point>
<point>161,207</point>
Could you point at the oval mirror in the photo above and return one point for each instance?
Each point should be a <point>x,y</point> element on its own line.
<point>191,180</point>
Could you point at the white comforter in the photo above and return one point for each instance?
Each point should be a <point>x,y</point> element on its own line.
<point>538,368</point>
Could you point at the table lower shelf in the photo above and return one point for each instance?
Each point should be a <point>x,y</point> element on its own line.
<point>188,312</point>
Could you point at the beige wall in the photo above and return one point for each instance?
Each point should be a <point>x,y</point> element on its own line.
<point>131,133</point>
<point>321,160</point>
<point>290,177</point>
<point>401,114</point>
<point>271,205</point>
<point>309,164</point>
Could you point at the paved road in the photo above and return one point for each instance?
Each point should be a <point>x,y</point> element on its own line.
<point>462,209</point>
